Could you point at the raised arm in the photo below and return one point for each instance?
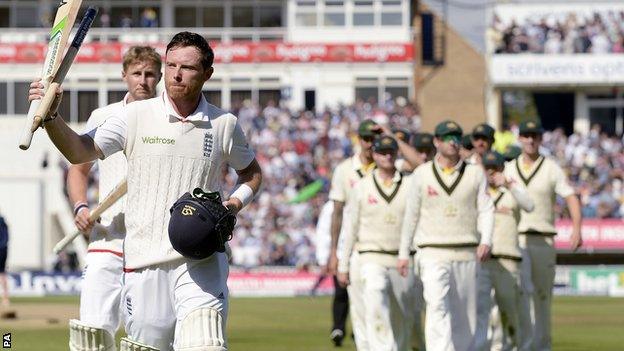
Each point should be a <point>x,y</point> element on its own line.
<point>76,148</point>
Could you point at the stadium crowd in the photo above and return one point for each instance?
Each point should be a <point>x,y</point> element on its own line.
<point>298,148</point>
<point>597,33</point>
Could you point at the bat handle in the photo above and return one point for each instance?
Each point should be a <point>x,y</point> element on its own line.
<point>44,106</point>
<point>62,244</point>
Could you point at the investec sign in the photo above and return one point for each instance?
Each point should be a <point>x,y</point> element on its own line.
<point>549,70</point>
<point>29,283</point>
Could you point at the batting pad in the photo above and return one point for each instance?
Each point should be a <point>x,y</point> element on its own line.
<point>127,344</point>
<point>201,330</point>
<point>85,338</point>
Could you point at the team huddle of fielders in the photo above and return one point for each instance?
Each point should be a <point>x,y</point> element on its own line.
<point>465,238</point>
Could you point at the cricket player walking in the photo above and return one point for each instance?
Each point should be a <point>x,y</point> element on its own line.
<point>451,218</point>
<point>376,214</point>
<point>502,271</point>
<point>101,286</point>
<point>173,143</point>
<point>346,176</point>
<point>544,180</point>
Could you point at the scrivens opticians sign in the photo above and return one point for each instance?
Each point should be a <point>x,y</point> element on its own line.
<point>540,69</point>
<point>231,53</point>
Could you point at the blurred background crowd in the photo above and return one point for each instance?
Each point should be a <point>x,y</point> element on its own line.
<point>556,33</point>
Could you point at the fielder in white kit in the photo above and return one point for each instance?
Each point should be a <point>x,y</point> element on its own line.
<point>544,180</point>
<point>501,272</point>
<point>377,211</point>
<point>101,286</point>
<point>174,143</point>
<point>346,176</point>
<point>451,217</point>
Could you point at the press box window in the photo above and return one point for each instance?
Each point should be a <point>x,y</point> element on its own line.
<point>20,102</point>
<point>27,16</point>
<point>3,98</point>
<point>270,16</point>
<point>87,102</point>
<point>242,16</point>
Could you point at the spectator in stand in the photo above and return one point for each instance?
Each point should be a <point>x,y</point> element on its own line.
<point>149,18</point>
<point>125,21</point>
<point>556,33</point>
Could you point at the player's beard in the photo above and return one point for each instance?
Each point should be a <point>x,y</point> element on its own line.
<point>177,90</point>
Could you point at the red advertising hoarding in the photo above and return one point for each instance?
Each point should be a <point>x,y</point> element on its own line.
<point>269,52</point>
<point>598,234</point>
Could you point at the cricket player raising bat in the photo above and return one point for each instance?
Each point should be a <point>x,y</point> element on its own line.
<point>174,143</point>
<point>100,295</point>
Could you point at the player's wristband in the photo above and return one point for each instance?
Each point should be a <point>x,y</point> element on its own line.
<point>79,206</point>
<point>244,193</point>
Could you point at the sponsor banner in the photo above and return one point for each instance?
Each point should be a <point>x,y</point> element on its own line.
<point>260,282</point>
<point>283,283</point>
<point>598,234</point>
<point>30,283</point>
<point>287,282</point>
<point>572,69</point>
<point>230,53</point>
<point>588,280</point>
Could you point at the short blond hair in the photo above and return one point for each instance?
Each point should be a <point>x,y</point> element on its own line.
<point>141,54</point>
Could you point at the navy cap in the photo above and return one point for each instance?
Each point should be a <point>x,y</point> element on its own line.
<point>384,143</point>
<point>493,159</point>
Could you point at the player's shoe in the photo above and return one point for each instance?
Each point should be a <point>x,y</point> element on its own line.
<point>337,336</point>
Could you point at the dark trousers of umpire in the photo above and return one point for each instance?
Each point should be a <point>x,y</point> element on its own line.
<point>340,306</point>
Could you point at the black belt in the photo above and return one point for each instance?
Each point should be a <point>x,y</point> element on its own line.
<point>535,232</point>
<point>449,246</point>
<point>508,257</point>
<point>384,252</point>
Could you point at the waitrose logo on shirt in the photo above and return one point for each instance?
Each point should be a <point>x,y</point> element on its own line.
<point>158,140</point>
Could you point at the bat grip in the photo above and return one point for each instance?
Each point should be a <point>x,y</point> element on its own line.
<point>44,106</point>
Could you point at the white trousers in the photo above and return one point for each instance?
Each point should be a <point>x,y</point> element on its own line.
<point>542,259</point>
<point>450,292</point>
<point>157,298</point>
<point>526,294</point>
<point>389,307</point>
<point>417,334</point>
<point>357,309</point>
<point>502,275</point>
<point>100,291</point>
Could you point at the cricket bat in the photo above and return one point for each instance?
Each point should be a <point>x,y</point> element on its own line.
<point>68,60</point>
<point>59,35</point>
<point>117,193</point>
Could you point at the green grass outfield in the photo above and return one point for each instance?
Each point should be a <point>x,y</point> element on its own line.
<point>301,324</point>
